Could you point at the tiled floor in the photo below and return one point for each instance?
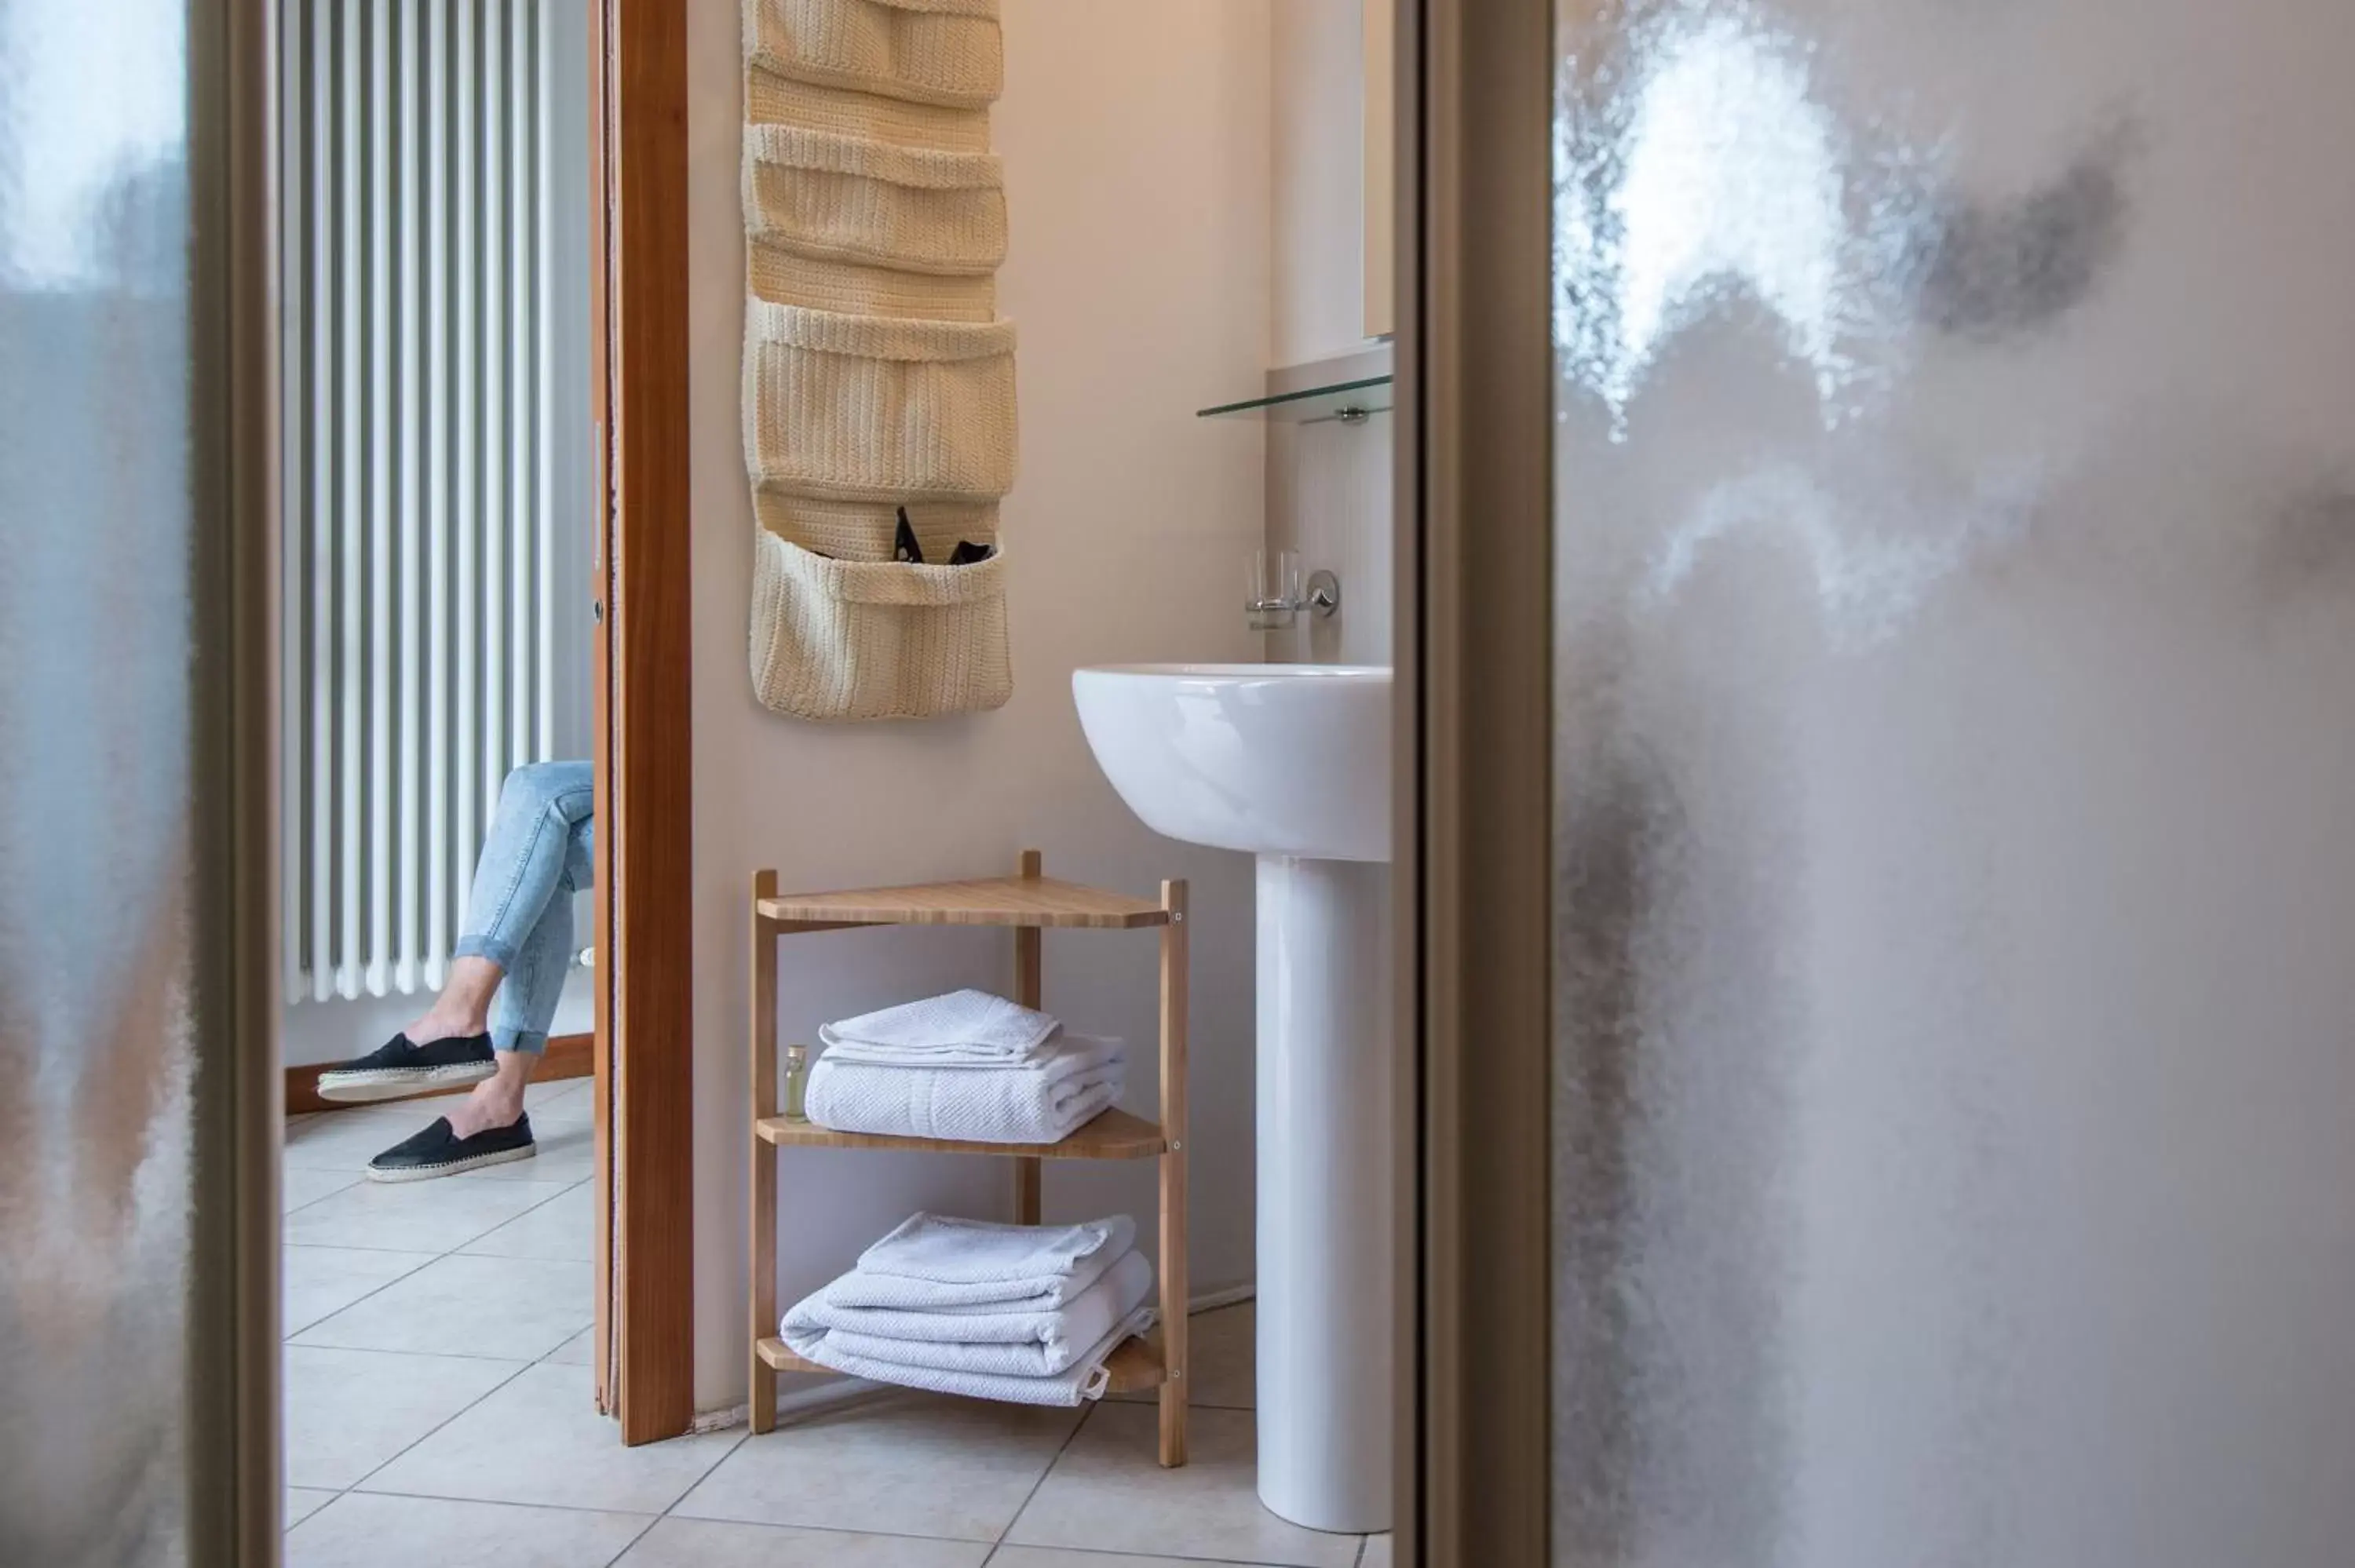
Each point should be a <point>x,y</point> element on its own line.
<point>439,1411</point>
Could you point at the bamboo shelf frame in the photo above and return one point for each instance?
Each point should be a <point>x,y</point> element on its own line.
<point>1029,904</point>
<point>1134,1366</point>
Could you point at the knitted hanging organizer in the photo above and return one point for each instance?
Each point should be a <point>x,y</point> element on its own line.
<point>879,378</point>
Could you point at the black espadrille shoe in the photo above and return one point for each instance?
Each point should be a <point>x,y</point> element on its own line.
<point>438,1151</point>
<point>399,1067</point>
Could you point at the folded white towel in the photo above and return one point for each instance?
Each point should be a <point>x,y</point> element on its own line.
<point>1009,1344</point>
<point>1083,1380</point>
<point>935,1263</point>
<point>1061,1058</point>
<point>968,1025</point>
<point>1079,1080</point>
<point>960,1058</point>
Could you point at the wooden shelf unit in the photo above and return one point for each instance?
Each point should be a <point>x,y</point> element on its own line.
<point>1134,1367</point>
<point>1112,1134</point>
<point>1024,903</point>
<point>1029,904</point>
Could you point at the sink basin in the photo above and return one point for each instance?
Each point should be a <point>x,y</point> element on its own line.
<point>1291,763</point>
<point>1291,759</point>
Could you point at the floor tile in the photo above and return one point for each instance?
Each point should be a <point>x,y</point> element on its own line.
<point>571,1116</point>
<point>1057,1557</point>
<point>516,1309</point>
<point>564,1103</point>
<point>706,1544</point>
<point>563,1151</point>
<point>1222,1346</point>
<point>548,1091</point>
<point>1106,1493</point>
<point>301,1503</point>
<point>1378,1552</point>
<point>913,1464</point>
<point>298,1185</point>
<point>360,1531</point>
<point>347,1411</point>
<point>540,1440</point>
<point>349,1139</point>
<point>318,1281</point>
<point>564,1229</point>
<point>575,1352</point>
<point>414,1216</point>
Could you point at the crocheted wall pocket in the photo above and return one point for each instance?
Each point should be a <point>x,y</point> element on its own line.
<point>877,639</point>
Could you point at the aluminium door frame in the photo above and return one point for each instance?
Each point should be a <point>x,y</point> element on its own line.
<point>232,1440</point>
<point>1474,737</point>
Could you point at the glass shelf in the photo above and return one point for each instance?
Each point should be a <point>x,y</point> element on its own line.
<point>1345,401</point>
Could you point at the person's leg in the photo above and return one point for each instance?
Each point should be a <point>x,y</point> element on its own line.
<point>529,856</point>
<point>540,807</point>
<point>526,1003</point>
<point>524,857</point>
<point>463,1005</point>
<point>519,931</point>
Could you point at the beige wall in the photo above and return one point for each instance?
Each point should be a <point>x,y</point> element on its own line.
<point>1136,142</point>
<point>1329,485</point>
<point>1318,48</point>
<point>1328,496</point>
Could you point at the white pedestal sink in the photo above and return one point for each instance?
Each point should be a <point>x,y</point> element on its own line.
<point>1291,763</point>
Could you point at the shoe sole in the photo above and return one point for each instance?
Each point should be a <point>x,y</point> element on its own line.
<point>391,1083</point>
<point>452,1168</point>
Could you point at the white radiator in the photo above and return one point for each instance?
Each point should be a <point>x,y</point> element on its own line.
<point>437,490</point>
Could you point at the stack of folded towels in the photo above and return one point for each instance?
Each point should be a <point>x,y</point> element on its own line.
<point>1023,1313</point>
<point>967,1065</point>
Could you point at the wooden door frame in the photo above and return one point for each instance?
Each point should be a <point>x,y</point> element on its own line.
<point>644,1243</point>
<point>1474,854</point>
<point>1474,762</point>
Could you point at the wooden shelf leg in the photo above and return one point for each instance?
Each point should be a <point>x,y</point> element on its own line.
<point>1028,1173</point>
<point>763,1309</point>
<point>1174,1286</point>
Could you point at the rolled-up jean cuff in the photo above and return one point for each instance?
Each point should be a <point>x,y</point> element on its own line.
<point>500,953</point>
<point>530,1042</point>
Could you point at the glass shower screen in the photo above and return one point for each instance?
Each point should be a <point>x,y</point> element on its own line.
<point>137,1332</point>
<point>1955,1045</point>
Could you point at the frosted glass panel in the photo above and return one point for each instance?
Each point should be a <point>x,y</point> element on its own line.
<point>1955,1037</point>
<point>97,571</point>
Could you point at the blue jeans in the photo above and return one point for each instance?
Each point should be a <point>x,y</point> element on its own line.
<point>519,916</point>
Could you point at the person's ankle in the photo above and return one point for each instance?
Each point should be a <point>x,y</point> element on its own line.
<point>482,1110</point>
<point>436,1026</point>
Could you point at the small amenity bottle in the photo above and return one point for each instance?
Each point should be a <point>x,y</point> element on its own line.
<point>796,1082</point>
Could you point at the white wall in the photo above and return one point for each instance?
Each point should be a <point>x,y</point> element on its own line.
<point>1319,49</point>
<point>1328,496</point>
<point>1329,485</point>
<point>1136,142</point>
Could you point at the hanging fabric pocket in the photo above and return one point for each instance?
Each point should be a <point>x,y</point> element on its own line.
<point>817,193</point>
<point>876,640</point>
<point>867,530</point>
<point>867,407</point>
<point>773,100</point>
<point>926,51</point>
<point>783,277</point>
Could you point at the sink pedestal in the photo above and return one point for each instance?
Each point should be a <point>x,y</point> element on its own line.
<point>1325,1201</point>
<point>1291,763</point>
